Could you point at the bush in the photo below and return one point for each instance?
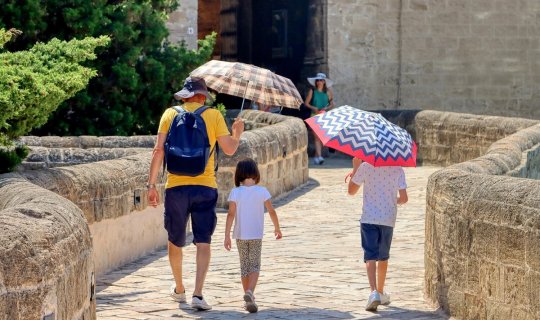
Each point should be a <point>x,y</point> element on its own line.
<point>11,157</point>
<point>221,108</point>
<point>35,82</point>
<point>138,73</point>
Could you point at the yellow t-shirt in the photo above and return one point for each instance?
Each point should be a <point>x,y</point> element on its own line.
<point>215,126</point>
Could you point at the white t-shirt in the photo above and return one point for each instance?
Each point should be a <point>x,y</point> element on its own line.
<point>381,185</point>
<point>249,222</point>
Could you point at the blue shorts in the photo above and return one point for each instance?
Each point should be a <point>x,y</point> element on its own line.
<point>376,241</point>
<point>199,202</point>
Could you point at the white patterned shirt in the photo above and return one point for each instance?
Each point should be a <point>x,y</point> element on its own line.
<point>381,185</point>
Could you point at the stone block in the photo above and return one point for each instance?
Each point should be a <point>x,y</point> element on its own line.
<point>456,302</point>
<point>497,311</point>
<point>532,250</point>
<point>473,276</point>
<point>484,239</point>
<point>86,142</point>
<point>474,307</point>
<point>272,172</point>
<point>514,286</point>
<point>454,273</point>
<point>418,5</point>
<point>510,244</point>
<point>533,294</point>
<point>523,314</point>
<point>491,282</point>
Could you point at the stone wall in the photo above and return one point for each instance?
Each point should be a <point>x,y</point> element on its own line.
<point>278,144</point>
<point>445,138</point>
<point>97,216</point>
<point>363,52</point>
<point>479,57</point>
<point>464,56</point>
<point>46,265</point>
<point>483,228</point>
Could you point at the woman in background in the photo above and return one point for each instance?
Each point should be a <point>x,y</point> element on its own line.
<point>319,99</point>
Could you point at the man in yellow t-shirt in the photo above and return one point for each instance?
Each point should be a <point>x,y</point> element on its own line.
<point>191,197</point>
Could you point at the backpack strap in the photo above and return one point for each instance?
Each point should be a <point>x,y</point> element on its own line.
<point>199,111</point>
<point>179,109</point>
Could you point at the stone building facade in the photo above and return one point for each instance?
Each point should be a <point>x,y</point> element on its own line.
<point>476,56</point>
<point>480,56</point>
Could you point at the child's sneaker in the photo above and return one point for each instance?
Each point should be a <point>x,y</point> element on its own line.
<point>321,160</point>
<point>178,297</point>
<point>373,301</point>
<point>200,304</point>
<point>385,298</point>
<point>250,305</point>
<point>316,160</point>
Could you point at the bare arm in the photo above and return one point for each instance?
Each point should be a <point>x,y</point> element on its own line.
<point>274,218</point>
<point>330,99</point>
<point>403,198</point>
<point>229,144</point>
<point>353,187</point>
<point>155,165</point>
<point>308,100</point>
<point>228,225</point>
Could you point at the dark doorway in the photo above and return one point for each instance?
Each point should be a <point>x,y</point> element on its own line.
<point>270,34</point>
<point>276,35</point>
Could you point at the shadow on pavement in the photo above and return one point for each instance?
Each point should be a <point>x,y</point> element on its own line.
<point>288,197</point>
<point>271,313</point>
<point>105,280</point>
<point>390,312</point>
<point>341,161</point>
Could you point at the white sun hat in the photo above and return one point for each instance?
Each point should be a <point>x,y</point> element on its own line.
<point>320,76</point>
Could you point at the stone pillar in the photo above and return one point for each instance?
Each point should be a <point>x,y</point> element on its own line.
<point>182,23</point>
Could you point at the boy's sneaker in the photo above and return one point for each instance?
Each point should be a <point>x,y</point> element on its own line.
<point>200,304</point>
<point>178,297</point>
<point>321,160</point>
<point>250,305</point>
<point>385,298</point>
<point>316,160</point>
<point>374,301</point>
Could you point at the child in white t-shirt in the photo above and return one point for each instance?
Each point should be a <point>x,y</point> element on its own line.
<point>246,207</point>
<point>384,189</point>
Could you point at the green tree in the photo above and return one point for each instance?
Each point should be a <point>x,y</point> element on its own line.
<point>33,83</point>
<point>138,73</point>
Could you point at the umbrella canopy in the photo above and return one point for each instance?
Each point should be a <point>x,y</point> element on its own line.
<point>249,82</point>
<point>365,135</point>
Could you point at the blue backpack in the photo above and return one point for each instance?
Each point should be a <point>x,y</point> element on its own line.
<point>187,147</point>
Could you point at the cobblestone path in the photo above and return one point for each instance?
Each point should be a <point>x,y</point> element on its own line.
<point>314,272</point>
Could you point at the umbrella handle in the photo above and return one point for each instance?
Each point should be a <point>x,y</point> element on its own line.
<point>244,98</point>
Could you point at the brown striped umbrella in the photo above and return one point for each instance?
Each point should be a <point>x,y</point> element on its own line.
<point>249,82</point>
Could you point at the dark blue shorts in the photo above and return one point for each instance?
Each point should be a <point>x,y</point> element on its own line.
<point>197,202</point>
<point>376,241</point>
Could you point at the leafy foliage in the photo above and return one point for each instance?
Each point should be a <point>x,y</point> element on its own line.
<point>138,73</point>
<point>35,82</point>
<point>11,157</point>
<point>221,108</point>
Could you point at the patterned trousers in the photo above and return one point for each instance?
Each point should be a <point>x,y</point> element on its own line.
<point>250,256</point>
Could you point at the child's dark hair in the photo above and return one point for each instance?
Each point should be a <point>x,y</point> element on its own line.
<point>245,169</point>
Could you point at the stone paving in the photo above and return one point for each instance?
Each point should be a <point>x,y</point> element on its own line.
<point>314,272</point>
